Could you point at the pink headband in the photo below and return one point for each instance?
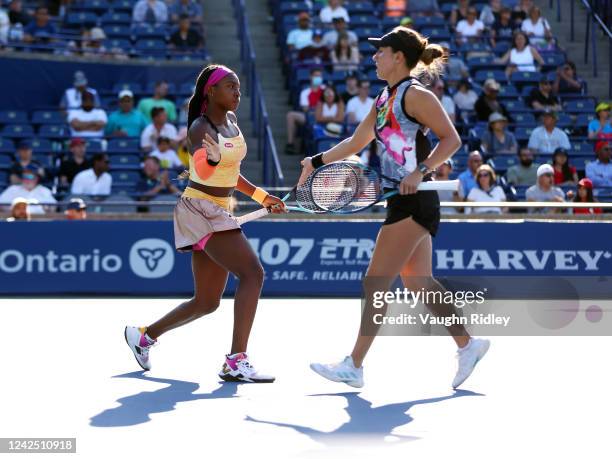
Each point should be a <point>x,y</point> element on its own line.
<point>216,76</point>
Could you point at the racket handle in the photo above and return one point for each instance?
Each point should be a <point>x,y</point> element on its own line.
<point>452,185</point>
<point>253,215</point>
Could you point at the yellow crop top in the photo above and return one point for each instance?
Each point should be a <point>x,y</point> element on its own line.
<point>233,150</point>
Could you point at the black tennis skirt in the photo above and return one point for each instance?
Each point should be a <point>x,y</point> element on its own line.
<point>422,206</point>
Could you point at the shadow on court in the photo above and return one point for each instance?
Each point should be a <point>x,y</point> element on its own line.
<point>137,409</point>
<point>367,423</point>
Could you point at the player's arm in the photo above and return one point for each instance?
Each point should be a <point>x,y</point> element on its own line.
<point>361,138</point>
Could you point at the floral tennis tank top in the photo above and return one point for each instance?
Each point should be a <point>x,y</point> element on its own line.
<point>401,139</point>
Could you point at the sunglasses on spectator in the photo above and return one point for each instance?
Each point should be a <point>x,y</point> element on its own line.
<point>484,174</point>
<point>548,174</point>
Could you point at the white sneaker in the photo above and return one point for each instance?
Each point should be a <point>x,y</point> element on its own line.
<point>140,345</point>
<point>344,371</point>
<point>238,368</point>
<point>468,357</point>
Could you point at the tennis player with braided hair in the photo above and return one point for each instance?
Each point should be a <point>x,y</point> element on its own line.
<point>204,226</point>
<point>400,118</point>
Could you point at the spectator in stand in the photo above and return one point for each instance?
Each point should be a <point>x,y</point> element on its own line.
<point>76,210</point>
<point>150,12</point>
<point>438,87</point>
<point>544,190</point>
<point>95,181</point>
<point>16,13</point>
<point>183,146</point>
<point>423,7</point>
<point>565,173</point>
<point>455,67</point>
<point>167,157</point>
<point>491,13</point>
<point>460,12</point>
<point>360,105</point>
<point>542,97</point>
<point>30,190</point>
<point>521,11</point>
<point>537,28</point>
<point>352,88</point>
<point>467,179</point>
<point>302,36</point>
<point>442,173</point>
<point>158,128</point>
<point>330,39</point>
<point>503,28</point>
<point>487,103</point>
<point>309,98</point>
<point>189,8</point>
<point>316,51</point>
<point>91,43</point>
<point>23,161</point>
<point>73,97</point>
<point>584,193</point>
<point>5,25</point>
<point>125,122</point>
<point>158,100</point>
<point>522,57</point>
<point>497,140</point>
<point>345,56</point>
<point>87,121</point>
<point>566,81</point>
<point>330,109</point>
<point>465,97</point>
<point>153,181</point>
<point>40,30</point>
<point>547,138</point>
<point>334,9</point>
<point>469,29</point>
<point>19,210</point>
<point>601,127</point>
<point>600,171</point>
<point>186,38</point>
<point>524,173</point>
<point>78,162</point>
<point>486,190</point>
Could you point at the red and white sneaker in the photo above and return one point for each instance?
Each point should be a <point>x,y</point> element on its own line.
<point>238,368</point>
<point>140,344</point>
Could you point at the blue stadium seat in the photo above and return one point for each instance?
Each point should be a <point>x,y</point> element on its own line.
<point>118,31</point>
<point>123,145</point>
<point>78,20</point>
<point>427,21</point>
<point>508,90</point>
<point>151,47</point>
<point>125,162</point>
<point>502,163</point>
<point>48,117</point>
<point>580,162</point>
<point>116,18</point>
<point>150,88</point>
<point>501,47</point>
<point>136,88</point>
<point>41,145</point>
<point>7,145</point>
<point>552,60</point>
<point>13,117</point>
<point>583,119</point>
<point>17,131</point>
<point>125,177</point>
<point>6,161</point>
<point>484,62</point>
<point>581,148</point>
<point>123,189</point>
<point>483,75</point>
<point>4,178</point>
<point>94,146</point>
<point>54,131</point>
<point>479,47</point>
<point>437,33</point>
<point>579,106</point>
<point>524,119</point>
<point>523,78</point>
<point>147,31</point>
<point>186,89</point>
<point>522,133</point>
<point>388,23</point>
<point>94,6</point>
<point>363,33</point>
<point>46,160</point>
<point>356,7</point>
<point>293,7</point>
<point>365,20</point>
<point>121,43</point>
<point>516,105</point>
<point>125,6</point>
<point>564,120</point>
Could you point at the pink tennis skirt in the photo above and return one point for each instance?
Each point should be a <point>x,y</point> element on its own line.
<point>195,221</point>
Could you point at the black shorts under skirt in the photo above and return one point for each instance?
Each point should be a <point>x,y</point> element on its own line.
<point>423,207</point>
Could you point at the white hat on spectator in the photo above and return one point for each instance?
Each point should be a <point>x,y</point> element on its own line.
<point>18,201</point>
<point>126,93</point>
<point>97,34</point>
<point>545,169</point>
<point>490,83</point>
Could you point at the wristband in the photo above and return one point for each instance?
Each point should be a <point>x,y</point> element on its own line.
<point>317,161</point>
<point>259,195</point>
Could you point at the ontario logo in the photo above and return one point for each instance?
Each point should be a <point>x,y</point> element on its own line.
<point>151,258</point>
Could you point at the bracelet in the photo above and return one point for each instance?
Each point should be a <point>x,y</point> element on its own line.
<point>259,195</point>
<point>317,161</point>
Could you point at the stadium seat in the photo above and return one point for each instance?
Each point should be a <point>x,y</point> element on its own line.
<point>13,117</point>
<point>115,18</point>
<point>7,145</point>
<point>522,133</point>
<point>48,117</point>
<point>564,120</point>
<point>94,146</point>
<point>508,90</point>
<point>94,6</point>
<point>516,105</point>
<point>125,161</point>
<point>118,31</point>
<point>124,6</point>
<point>483,75</point>
<point>118,43</point>
<point>150,88</point>
<point>83,19</point>
<point>581,148</point>
<point>136,88</point>
<point>580,162</point>
<point>552,60</point>
<point>4,178</point>
<point>41,145</point>
<point>365,20</point>
<point>186,89</point>
<point>293,7</point>
<point>6,161</point>
<point>579,106</point>
<point>152,32</point>
<point>524,119</point>
<point>54,131</point>
<point>437,34</point>
<point>427,21</point>
<point>151,47</point>
<point>523,78</point>
<point>17,131</point>
<point>124,177</point>
<point>357,7</point>
<point>123,145</point>
<point>46,160</point>
<point>502,163</point>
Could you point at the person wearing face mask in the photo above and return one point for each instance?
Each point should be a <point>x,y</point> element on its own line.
<point>87,121</point>
<point>30,190</point>
<point>309,98</point>
<point>544,190</point>
<point>524,173</point>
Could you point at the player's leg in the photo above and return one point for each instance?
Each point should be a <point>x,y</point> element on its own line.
<point>209,280</point>
<point>385,265</point>
<point>416,275</point>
